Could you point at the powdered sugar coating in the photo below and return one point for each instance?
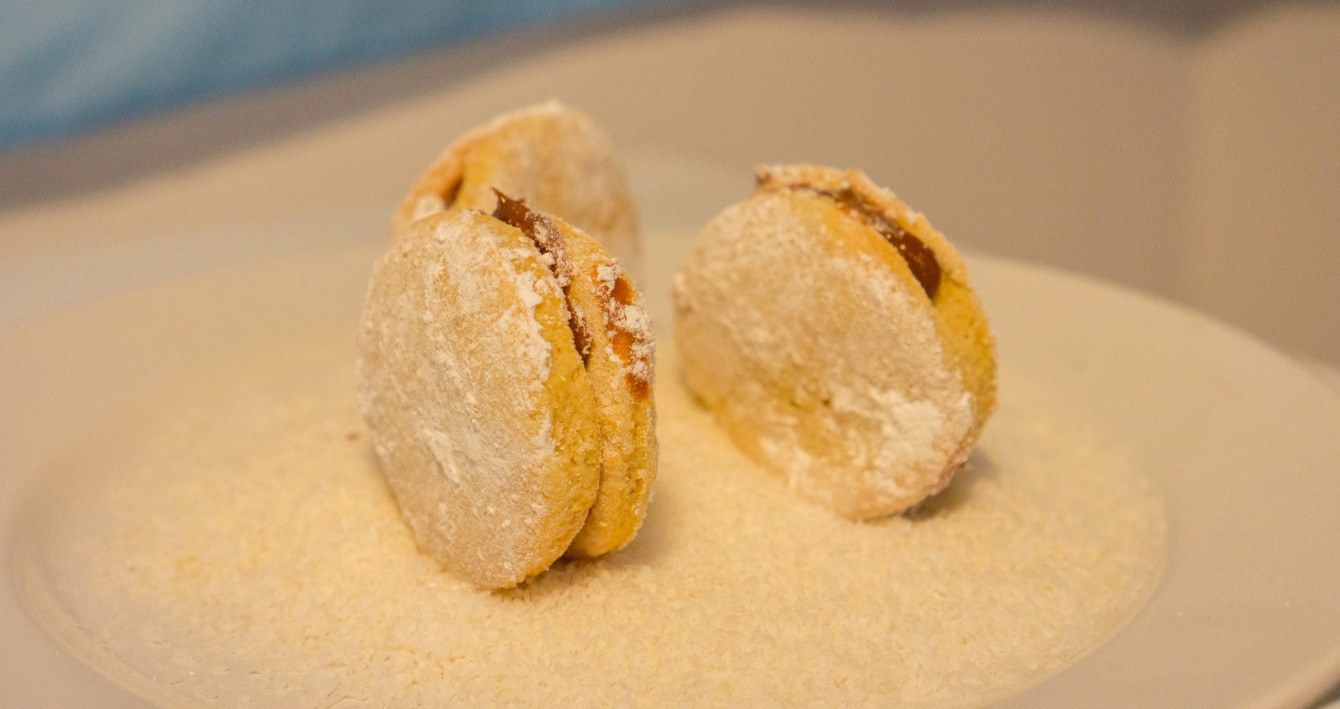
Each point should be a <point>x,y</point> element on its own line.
<point>427,205</point>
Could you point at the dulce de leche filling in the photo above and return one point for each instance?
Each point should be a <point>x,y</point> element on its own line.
<point>613,289</point>
<point>919,257</point>
<point>541,230</point>
<point>631,345</point>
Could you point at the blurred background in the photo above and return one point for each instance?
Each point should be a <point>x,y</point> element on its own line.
<point>1185,149</point>
<point>1188,150</point>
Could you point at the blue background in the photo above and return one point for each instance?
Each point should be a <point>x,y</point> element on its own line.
<point>68,66</point>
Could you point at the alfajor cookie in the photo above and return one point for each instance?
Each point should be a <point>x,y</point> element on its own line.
<point>504,370</point>
<point>612,333</point>
<point>555,157</point>
<point>833,333</point>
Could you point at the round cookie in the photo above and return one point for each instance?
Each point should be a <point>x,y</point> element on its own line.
<point>506,414</point>
<point>555,157</point>
<point>834,335</point>
<point>477,402</point>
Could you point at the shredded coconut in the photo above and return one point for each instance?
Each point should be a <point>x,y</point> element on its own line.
<point>241,549</point>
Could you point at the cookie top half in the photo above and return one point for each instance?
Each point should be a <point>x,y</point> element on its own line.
<point>555,157</point>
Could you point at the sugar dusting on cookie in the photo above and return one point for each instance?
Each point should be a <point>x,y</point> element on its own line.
<point>427,205</point>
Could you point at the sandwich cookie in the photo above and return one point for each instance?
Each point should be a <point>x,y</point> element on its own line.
<point>555,157</point>
<point>505,373</point>
<point>833,333</point>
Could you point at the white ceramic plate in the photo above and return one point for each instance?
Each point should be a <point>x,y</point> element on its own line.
<point>1241,441</point>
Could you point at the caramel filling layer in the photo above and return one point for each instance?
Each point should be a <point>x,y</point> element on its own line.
<point>629,345</point>
<point>613,289</point>
<point>541,230</point>
<point>919,257</point>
